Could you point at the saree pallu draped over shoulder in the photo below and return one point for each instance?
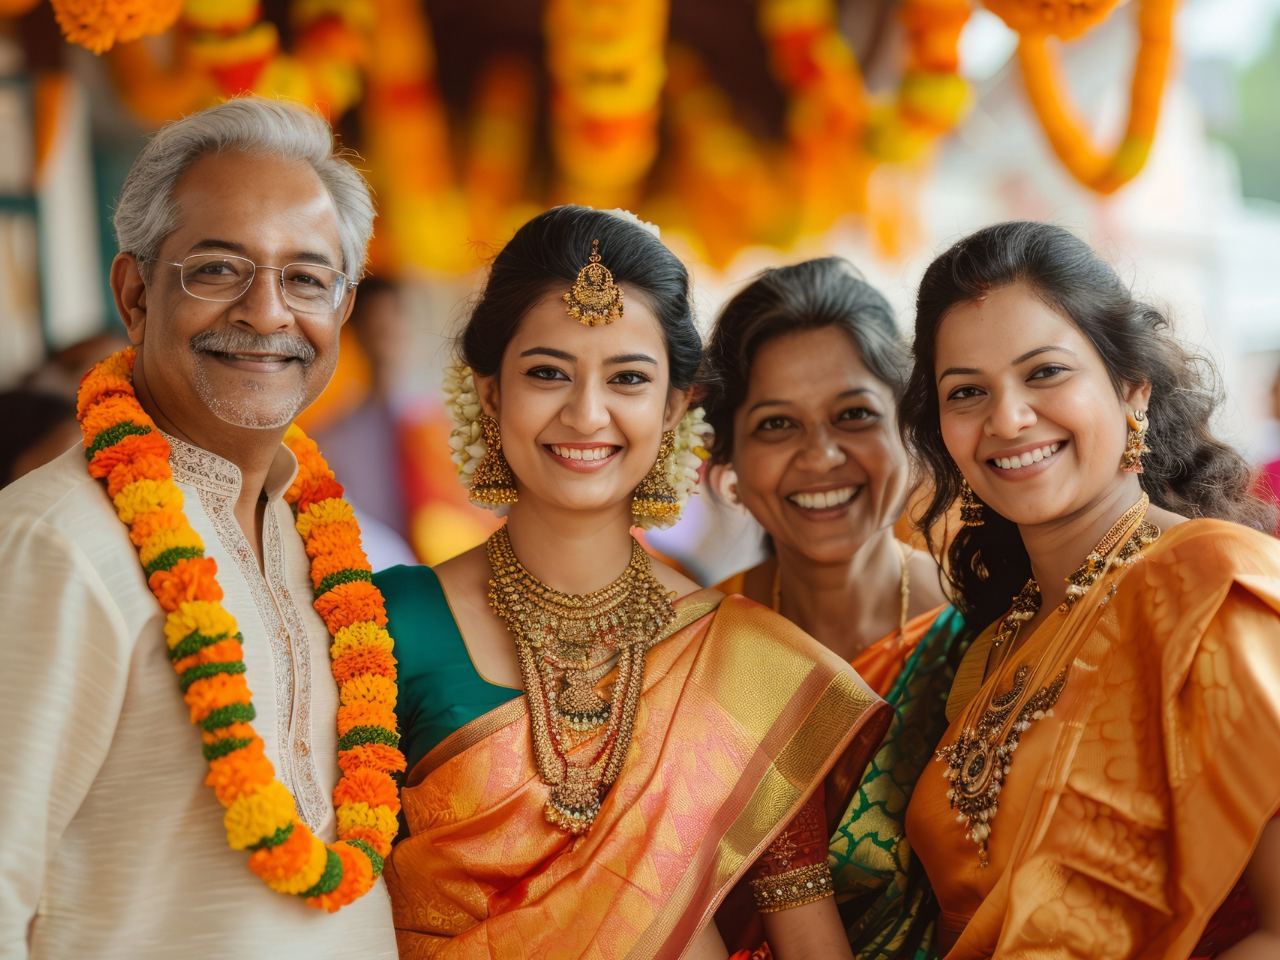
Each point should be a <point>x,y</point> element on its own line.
<point>1132,807</point>
<point>741,716</point>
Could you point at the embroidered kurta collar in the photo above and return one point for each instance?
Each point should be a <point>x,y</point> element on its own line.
<point>205,470</point>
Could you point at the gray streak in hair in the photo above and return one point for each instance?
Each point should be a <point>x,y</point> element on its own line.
<point>146,214</point>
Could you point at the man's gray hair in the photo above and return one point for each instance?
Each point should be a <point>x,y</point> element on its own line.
<point>146,213</point>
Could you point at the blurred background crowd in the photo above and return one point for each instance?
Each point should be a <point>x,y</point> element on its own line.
<point>753,132</point>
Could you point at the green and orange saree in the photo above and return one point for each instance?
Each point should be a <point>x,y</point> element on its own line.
<point>741,718</point>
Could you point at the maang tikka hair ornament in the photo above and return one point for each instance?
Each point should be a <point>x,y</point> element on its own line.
<point>594,297</point>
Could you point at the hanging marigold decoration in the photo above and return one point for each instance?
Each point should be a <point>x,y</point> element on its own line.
<point>100,24</point>
<point>1039,20</point>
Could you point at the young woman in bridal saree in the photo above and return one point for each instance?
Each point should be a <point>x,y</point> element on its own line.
<point>1112,767</point>
<point>809,369</point>
<point>598,749</point>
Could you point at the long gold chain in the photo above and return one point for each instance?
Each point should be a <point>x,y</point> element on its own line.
<point>981,757</point>
<point>567,644</point>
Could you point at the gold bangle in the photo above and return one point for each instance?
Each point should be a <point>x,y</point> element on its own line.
<point>794,888</point>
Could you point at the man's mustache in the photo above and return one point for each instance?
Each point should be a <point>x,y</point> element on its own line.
<point>237,340</point>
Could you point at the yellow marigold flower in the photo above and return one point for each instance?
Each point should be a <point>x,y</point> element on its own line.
<point>369,688</point>
<point>326,511</point>
<point>202,616</point>
<point>254,816</point>
<point>353,816</point>
<point>366,633</point>
<point>143,496</point>
<point>310,874</point>
<point>163,540</point>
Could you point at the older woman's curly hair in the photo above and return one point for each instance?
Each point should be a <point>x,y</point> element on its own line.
<point>1187,469</point>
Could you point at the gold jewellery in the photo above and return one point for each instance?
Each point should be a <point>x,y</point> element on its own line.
<point>567,645</point>
<point>493,484</point>
<point>970,506</point>
<point>1131,459</point>
<point>981,757</point>
<point>594,298</point>
<point>655,497</point>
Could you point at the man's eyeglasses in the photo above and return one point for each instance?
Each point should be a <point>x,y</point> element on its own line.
<point>308,287</point>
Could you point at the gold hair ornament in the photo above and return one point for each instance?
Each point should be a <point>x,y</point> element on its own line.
<point>594,298</point>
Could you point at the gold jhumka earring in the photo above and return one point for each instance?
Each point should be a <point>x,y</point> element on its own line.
<point>594,297</point>
<point>1131,460</point>
<point>655,497</point>
<point>493,484</point>
<point>970,506</point>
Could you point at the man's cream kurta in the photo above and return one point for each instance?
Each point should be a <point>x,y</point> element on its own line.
<point>110,843</point>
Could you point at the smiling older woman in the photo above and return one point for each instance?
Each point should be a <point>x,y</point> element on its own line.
<point>598,749</point>
<point>1122,716</point>
<point>810,369</point>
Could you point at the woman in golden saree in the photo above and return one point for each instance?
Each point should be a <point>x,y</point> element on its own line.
<point>598,749</point>
<point>808,369</point>
<point>1107,785</point>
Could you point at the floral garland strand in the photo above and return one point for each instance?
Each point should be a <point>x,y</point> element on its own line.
<point>126,451</point>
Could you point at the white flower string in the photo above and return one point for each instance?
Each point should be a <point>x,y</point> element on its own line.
<point>693,437</point>
<point>627,215</point>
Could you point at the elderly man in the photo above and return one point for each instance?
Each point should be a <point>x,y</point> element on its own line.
<point>244,233</point>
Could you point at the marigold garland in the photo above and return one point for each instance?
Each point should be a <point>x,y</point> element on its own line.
<point>128,453</point>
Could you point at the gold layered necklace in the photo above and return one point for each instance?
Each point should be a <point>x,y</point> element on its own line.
<point>981,757</point>
<point>567,644</point>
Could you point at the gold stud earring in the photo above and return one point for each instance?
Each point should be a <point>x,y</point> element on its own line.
<point>493,484</point>
<point>970,506</point>
<point>655,497</point>
<point>1131,459</point>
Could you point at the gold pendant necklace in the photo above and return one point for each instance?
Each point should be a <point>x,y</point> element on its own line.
<point>981,757</point>
<point>566,645</point>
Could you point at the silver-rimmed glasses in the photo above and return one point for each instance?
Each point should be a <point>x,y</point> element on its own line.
<point>308,287</point>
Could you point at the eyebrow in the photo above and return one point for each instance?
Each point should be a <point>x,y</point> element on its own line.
<point>570,358</point>
<point>239,249</point>
<point>971,371</point>
<point>781,403</point>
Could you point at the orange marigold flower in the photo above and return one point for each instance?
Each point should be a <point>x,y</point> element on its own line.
<point>322,488</point>
<point>372,837</point>
<point>186,580</point>
<point>283,860</point>
<point>224,651</point>
<point>208,694</point>
<point>143,467</point>
<point>107,412</point>
<point>234,731</point>
<point>329,563</point>
<point>147,525</point>
<point>371,756</point>
<point>341,536</point>
<point>365,715</point>
<point>364,660</point>
<point>350,603</point>
<point>130,448</point>
<point>357,878</point>
<point>370,786</point>
<point>239,772</point>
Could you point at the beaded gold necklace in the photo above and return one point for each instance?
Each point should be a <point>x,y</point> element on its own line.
<point>566,645</point>
<point>981,757</point>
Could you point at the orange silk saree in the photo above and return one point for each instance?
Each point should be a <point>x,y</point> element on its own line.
<point>1130,811</point>
<point>741,717</point>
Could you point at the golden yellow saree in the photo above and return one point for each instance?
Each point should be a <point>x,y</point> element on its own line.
<point>741,717</point>
<point>1133,806</point>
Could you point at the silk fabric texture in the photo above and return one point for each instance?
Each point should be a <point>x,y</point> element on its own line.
<point>1129,814</point>
<point>741,716</point>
